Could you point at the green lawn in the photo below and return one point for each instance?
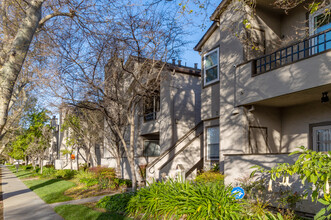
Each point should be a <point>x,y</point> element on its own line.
<point>73,212</point>
<point>22,173</point>
<point>50,190</point>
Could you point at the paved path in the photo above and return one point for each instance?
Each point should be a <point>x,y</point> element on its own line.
<point>80,201</point>
<point>20,203</point>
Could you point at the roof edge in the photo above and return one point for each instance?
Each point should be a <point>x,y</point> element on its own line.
<point>219,10</point>
<point>205,37</point>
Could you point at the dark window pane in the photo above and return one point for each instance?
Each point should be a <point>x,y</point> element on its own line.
<point>211,74</point>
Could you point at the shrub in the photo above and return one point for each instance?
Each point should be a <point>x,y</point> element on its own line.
<point>116,203</point>
<point>174,200</point>
<point>83,166</point>
<point>104,172</point>
<point>105,176</point>
<point>48,171</point>
<point>65,174</point>
<point>210,177</point>
<point>27,167</point>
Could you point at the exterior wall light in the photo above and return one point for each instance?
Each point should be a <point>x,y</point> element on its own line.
<point>325,97</point>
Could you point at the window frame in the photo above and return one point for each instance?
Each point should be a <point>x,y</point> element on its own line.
<point>156,107</point>
<point>144,149</point>
<point>314,136</point>
<point>311,132</point>
<point>312,17</point>
<point>205,69</point>
<point>207,147</point>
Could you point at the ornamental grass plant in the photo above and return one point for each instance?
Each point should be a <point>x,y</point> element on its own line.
<point>176,199</point>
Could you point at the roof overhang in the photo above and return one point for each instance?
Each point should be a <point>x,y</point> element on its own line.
<point>205,37</point>
<point>214,17</point>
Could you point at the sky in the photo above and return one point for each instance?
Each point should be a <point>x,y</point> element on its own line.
<point>198,23</point>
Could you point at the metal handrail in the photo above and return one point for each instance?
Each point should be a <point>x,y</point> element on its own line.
<point>308,50</point>
<point>152,164</point>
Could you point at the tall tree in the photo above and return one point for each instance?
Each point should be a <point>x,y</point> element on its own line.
<point>35,26</point>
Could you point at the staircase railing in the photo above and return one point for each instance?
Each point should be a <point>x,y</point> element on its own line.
<point>165,153</point>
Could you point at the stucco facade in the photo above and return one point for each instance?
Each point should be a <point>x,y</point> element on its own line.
<point>267,101</point>
<point>178,113</point>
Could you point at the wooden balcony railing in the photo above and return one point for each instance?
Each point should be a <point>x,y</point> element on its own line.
<point>303,49</point>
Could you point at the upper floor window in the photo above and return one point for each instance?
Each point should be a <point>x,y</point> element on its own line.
<point>151,106</point>
<point>320,22</point>
<point>211,67</point>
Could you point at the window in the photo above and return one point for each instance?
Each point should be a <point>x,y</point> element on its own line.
<point>320,22</point>
<point>151,106</point>
<point>152,148</point>
<point>211,69</point>
<point>213,146</point>
<point>322,138</point>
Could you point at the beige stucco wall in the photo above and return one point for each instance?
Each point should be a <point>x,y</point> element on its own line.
<point>296,121</point>
<point>269,117</point>
<point>238,168</point>
<point>301,75</point>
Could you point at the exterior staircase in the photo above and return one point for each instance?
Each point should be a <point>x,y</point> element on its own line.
<point>185,157</point>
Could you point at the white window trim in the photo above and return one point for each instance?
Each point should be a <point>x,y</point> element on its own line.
<point>207,148</point>
<point>218,68</point>
<point>312,19</point>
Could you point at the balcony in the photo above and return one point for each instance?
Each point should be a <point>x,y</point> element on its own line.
<point>150,116</point>
<point>303,49</point>
<point>303,67</point>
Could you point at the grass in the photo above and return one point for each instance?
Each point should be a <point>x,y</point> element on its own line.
<point>22,173</point>
<point>73,212</point>
<point>50,190</point>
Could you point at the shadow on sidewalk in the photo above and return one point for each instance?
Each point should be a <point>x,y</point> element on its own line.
<point>19,192</point>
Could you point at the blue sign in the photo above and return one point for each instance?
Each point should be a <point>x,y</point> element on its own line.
<point>238,192</point>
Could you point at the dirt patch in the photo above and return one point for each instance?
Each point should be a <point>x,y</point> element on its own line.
<point>81,192</point>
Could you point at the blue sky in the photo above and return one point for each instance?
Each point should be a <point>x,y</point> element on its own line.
<point>199,23</point>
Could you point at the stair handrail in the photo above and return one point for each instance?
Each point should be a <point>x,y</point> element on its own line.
<point>180,140</point>
<point>181,150</point>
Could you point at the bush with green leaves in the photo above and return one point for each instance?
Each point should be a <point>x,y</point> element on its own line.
<point>173,200</point>
<point>313,167</point>
<point>48,172</point>
<point>210,177</point>
<point>65,174</point>
<point>116,203</point>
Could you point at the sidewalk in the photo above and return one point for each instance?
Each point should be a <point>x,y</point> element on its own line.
<point>21,203</point>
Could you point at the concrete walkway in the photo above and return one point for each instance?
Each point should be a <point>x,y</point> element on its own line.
<point>80,201</point>
<point>20,203</point>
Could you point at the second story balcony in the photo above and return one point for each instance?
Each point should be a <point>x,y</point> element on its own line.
<point>303,49</point>
<point>301,66</point>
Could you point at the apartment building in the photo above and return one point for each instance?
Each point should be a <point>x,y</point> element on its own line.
<point>165,120</point>
<point>265,85</point>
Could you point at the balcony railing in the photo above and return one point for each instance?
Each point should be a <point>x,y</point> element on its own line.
<point>303,49</point>
<point>150,116</point>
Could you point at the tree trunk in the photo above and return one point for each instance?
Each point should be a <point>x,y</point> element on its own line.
<point>87,156</point>
<point>131,158</point>
<point>14,60</point>
<point>118,161</point>
<point>93,155</point>
<point>41,165</point>
<point>77,155</point>
<point>39,162</point>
